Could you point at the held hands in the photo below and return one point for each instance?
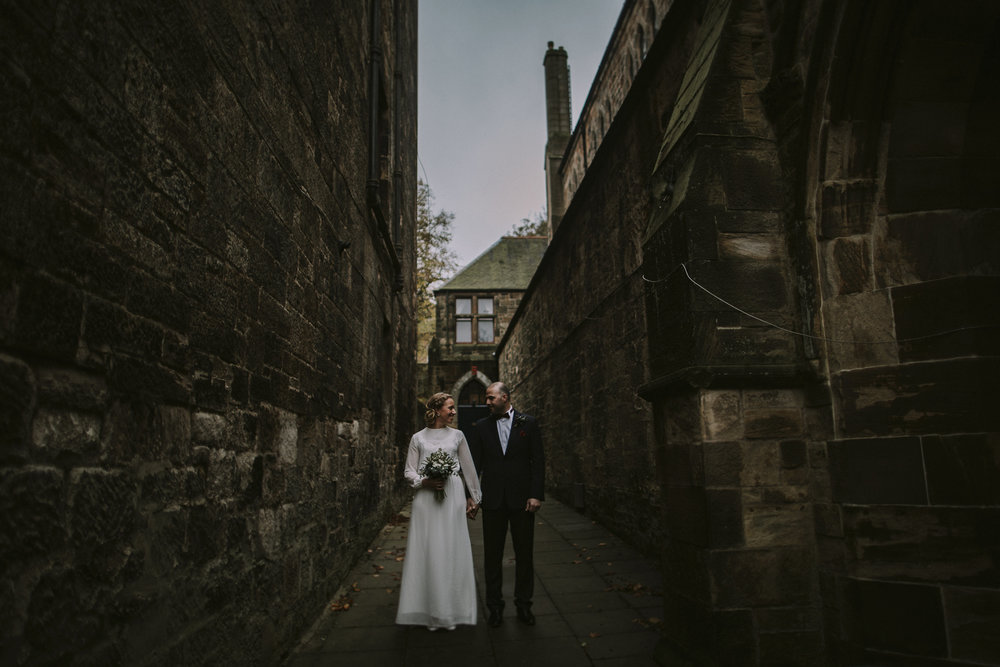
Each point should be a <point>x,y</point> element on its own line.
<point>471,508</point>
<point>534,504</point>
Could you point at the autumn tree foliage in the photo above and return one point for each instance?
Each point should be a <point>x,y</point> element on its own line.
<point>435,261</point>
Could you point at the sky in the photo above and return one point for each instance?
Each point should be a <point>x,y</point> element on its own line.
<point>481,104</point>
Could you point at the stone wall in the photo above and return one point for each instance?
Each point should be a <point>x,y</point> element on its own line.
<point>575,354</point>
<point>206,335</point>
<point>909,273</point>
<point>819,265</point>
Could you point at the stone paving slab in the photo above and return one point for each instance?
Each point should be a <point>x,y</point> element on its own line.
<point>597,602</point>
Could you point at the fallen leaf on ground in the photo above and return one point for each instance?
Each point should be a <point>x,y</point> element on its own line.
<point>594,635</point>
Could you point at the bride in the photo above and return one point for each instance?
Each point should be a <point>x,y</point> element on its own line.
<point>438,587</point>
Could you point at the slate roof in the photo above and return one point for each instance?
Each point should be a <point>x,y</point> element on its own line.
<point>507,265</point>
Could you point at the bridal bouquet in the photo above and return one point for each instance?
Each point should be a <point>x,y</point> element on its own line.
<point>439,465</point>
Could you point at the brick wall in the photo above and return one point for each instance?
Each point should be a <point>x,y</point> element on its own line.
<point>206,368</point>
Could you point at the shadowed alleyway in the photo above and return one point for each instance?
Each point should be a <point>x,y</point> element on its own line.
<point>597,602</point>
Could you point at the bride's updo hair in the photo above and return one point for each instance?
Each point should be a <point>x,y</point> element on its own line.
<point>435,403</point>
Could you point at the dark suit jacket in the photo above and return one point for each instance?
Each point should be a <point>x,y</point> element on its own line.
<point>508,480</point>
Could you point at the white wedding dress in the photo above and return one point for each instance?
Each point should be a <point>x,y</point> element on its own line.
<point>439,587</point>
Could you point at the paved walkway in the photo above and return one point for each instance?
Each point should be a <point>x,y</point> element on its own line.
<point>597,602</point>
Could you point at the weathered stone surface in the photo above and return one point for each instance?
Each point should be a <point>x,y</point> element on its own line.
<point>33,506</point>
<point>931,397</point>
<point>948,318</point>
<point>962,469</point>
<point>722,415</point>
<point>772,424</point>
<point>760,577</point>
<point>973,622</point>
<point>17,401</point>
<point>931,544</point>
<point>848,208</point>
<point>882,471</point>
<point>102,506</point>
<point>937,244</point>
<point>903,618</point>
<point>183,241</point>
<point>62,432</point>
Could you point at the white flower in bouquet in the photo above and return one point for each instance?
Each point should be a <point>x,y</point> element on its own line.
<point>439,465</point>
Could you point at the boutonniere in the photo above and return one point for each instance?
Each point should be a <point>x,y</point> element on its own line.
<point>519,421</point>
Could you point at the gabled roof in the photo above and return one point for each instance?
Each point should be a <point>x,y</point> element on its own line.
<point>508,264</point>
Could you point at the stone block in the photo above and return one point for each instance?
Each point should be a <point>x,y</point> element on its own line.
<point>102,506</point>
<point>973,622</point>
<point>17,401</point>
<point>687,514</point>
<point>108,328</point>
<point>71,388</point>
<point>733,640</point>
<point>48,318</point>
<point>952,396</point>
<point>208,428</point>
<point>848,266</point>
<point>133,377</point>
<point>794,454</point>
<point>877,471</point>
<point>752,181</point>
<point>787,619</point>
<point>912,120</point>
<point>772,398</point>
<point>849,208</point>
<point>804,648</point>
<point>160,488</point>
<point>723,463</point>
<point>761,464</point>
<point>860,329</point>
<point>753,247</point>
<point>66,434</point>
<point>32,509</point>
<point>777,525</point>
<point>948,318</point>
<point>725,518</point>
<point>931,544</point>
<point>962,469</point>
<point>722,417</point>
<point>761,577</point>
<point>923,246</point>
<point>772,424</point>
<point>172,428</point>
<point>746,223</point>
<point>897,617</point>
<point>828,521</point>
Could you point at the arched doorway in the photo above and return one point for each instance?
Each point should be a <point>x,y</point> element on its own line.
<point>471,394</point>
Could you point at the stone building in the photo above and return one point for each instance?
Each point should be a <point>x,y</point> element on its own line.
<point>775,285</point>
<point>473,310</point>
<point>206,320</point>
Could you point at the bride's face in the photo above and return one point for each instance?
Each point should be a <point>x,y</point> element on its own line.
<point>446,413</point>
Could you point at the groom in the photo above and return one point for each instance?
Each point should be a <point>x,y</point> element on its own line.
<point>507,448</point>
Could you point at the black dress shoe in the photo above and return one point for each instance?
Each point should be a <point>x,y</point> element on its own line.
<point>525,616</point>
<point>495,618</point>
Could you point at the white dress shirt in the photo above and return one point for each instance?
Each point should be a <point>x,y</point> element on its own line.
<point>503,428</point>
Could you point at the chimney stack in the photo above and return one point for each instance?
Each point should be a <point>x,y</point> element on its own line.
<point>559,120</point>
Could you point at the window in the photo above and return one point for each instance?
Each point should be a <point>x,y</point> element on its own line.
<point>474,315</point>
<point>485,330</point>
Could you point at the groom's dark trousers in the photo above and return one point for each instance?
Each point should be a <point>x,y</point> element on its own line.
<point>522,534</point>
<point>508,480</point>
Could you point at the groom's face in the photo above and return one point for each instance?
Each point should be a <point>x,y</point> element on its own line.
<point>497,402</point>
